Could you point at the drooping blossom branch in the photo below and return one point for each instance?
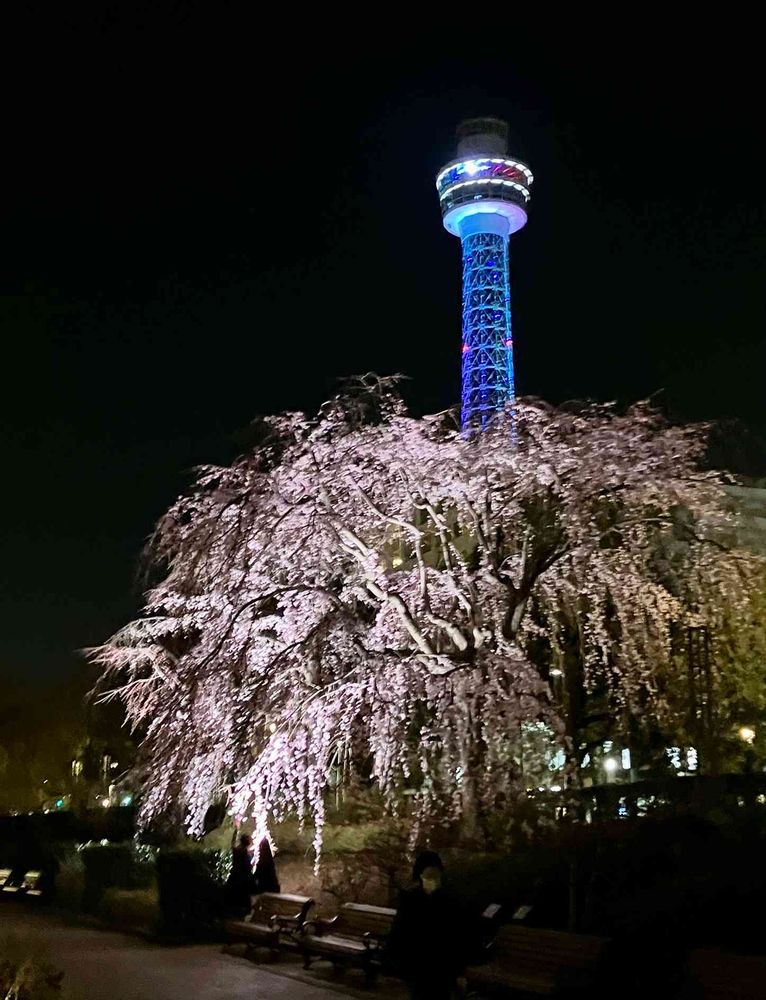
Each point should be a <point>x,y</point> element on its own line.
<point>371,594</point>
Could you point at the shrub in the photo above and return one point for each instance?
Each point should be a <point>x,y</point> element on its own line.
<point>190,892</point>
<point>130,909</point>
<point>24,974</point>
<point>70,880</point>
<point>111,866</point>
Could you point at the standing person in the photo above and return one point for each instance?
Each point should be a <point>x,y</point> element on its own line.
<point>240,885</point>
<point>426,941</point>
<point>266,879</point>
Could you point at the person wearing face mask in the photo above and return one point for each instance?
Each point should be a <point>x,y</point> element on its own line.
<point>427,943</point>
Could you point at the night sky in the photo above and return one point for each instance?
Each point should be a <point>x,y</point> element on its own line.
<point>206,220</point>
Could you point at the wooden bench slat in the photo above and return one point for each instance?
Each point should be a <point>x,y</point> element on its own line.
<point>273,914</point>
<point>723,976</point>
<point>537,960</point>
<point>356,934</point>
<point>335,943</point>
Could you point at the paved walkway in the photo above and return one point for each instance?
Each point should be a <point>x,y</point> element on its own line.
<point>104,965</point>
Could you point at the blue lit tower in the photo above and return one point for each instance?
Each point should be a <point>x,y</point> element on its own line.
<point>484,196</point>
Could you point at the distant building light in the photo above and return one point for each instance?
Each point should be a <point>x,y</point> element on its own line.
<point>557,760</point>
<point>105,803</point>
<point>610,765</point>
<point>747,734</point>
<point>59,803</point>
<point>692,760</point>
<point>556,672</point>
<point>674,756</point>
<point>126,800</point>
<point>625,759</point>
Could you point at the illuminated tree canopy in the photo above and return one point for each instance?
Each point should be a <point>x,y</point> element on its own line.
<point>371,595</point>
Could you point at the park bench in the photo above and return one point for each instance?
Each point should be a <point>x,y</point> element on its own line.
<point>540,962</point>
<point>273,917</point>
<point>356,936</point>
<point>720,976</point>
<point>5,877</point>
<point>29,886</point>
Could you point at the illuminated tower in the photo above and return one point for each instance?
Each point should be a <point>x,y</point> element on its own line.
<point>484,196</point>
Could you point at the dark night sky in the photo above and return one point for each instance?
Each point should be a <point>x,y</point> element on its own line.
<point>205,220</point>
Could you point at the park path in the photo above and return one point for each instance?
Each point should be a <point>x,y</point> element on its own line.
<point>105,965</point>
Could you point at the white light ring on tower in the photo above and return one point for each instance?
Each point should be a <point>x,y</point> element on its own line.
<point>513,164</point>
<point>485,180</point>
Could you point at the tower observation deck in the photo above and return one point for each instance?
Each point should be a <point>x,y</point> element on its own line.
<point>484,196</point>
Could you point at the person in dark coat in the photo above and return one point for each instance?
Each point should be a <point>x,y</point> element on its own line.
<point>427,943</point>
<point>266,879</point>
<point>240,885</point>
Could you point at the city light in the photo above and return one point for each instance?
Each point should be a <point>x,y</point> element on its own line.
<point>610,765</point>
<point>747,734</point>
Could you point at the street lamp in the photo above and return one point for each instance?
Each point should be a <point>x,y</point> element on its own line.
<point>747,734</point>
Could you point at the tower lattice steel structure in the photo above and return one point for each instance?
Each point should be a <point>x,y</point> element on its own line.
<point>484,196</point>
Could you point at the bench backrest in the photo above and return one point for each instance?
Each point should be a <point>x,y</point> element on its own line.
<point>546,948</point>
<point>31,879</point>
<point>281,905</point>
<point>358,919</point>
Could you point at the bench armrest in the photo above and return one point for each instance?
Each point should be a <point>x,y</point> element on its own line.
<point>283,920</point>
<point>318,925</point>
